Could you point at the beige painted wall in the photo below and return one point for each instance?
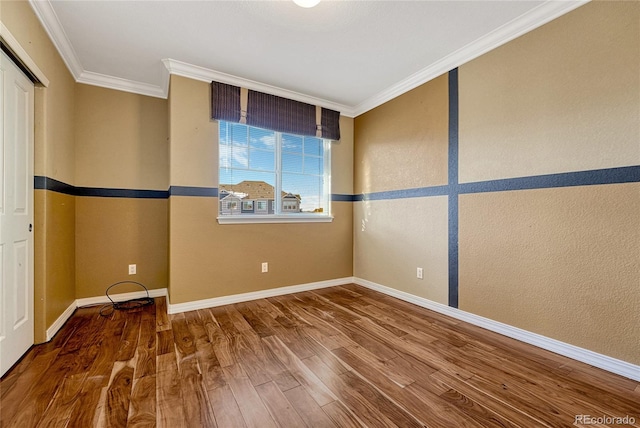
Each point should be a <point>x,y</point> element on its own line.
<point>400,145</point>
<point>122,140</point>
<point>561,98</point>
<point>209,260</point>
<point>561,262</point>
<point>193,136</point>
<point>122,143</point>
<point>54,158</point>
<point>212,260</point>
<point>394,237</point>
<point>54,258</point>
<point>564,263</point>
<point>112,233</point>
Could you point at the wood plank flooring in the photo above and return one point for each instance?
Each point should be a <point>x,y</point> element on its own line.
<point>336,357</point>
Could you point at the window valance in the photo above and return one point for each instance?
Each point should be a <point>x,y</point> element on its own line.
<point>235,104</point>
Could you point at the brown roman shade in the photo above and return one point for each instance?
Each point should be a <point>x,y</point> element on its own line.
<point>233,104</point>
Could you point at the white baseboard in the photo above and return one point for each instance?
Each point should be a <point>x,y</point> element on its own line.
<point>586,356</point>
<point>78,303</point>
<point>87,301</point>
<point>57,324</point>
<point>245,297</point>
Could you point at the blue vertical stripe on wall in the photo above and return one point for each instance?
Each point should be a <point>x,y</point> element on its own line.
<point>453,183</point>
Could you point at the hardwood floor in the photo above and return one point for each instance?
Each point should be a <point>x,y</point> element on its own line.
<point>335,357</point>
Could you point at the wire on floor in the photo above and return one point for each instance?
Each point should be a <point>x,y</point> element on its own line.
<point>125,305</point>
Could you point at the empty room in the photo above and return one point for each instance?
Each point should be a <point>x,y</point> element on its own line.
<point>320,213</point>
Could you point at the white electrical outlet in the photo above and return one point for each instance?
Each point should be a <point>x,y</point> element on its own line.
<point>132,269</point>
<point>419,273</point>
<point>265,267</point>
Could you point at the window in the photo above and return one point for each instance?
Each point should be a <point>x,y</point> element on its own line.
<point>285,177</point>
<point>261,207</point>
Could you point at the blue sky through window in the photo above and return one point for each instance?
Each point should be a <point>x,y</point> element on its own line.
<point>249,154</point>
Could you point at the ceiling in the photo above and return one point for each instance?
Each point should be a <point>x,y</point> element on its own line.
<point>346,55</point>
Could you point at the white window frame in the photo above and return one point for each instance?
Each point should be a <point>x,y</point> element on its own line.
<point>281,216</point>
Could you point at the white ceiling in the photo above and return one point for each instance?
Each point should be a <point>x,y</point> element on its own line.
<point>347,55</point>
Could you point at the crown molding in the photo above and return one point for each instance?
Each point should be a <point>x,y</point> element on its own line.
<point>47,16</point>
<point>529,21</point>
<point>535,18</point>
<point>126,85</point>
<point>184,69</point>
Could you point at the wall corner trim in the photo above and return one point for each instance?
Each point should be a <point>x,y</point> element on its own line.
<point>254,295</point>
<point>586,356</point>
<point>57,324</point>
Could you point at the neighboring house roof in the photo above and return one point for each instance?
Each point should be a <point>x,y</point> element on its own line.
<point>253,190</point>
<point>233,196</point>
<point>290,196</point>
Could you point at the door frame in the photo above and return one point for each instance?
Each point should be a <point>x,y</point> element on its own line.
<point>23,60</point>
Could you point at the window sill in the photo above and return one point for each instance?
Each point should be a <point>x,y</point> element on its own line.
<point>285,218</point>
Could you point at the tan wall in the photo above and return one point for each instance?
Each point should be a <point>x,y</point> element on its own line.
<point>401,145</point>
<point>112,233</point>
<point>394,237</point>
<point>122,140</point>
<point>564,263</point>
<point>210,260</point>
<point>122,143</point>
<point>59,244</point>
<point>54,158</point>
<point>561,262</point>
<point>561,98</point>
<point>193,137</point>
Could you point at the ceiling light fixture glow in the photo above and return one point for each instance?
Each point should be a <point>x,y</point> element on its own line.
<point>306,3</point>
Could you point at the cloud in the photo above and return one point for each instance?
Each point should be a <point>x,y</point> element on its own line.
<point>231,156</point>
<point>265,142</point>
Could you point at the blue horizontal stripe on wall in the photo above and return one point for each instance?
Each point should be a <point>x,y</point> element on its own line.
<point>337,197</point>
<point>193,191</point>
<point>121,193</point>
<point>419,192</point>
<point>627,174</point>
<point>46,183</point>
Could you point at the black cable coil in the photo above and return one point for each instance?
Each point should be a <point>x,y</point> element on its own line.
<point>126,304</point>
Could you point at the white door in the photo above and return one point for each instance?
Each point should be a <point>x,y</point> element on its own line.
<point>16,214</point>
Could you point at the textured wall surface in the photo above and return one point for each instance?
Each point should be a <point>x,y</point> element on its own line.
<point>402,145</point>
<point>210,260</point>
<point>563,262</point>
<point>122,140</point>
<point>122,143</point>
<point>395,237</point>
<point>112,233</point>
<point>561,98</point>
